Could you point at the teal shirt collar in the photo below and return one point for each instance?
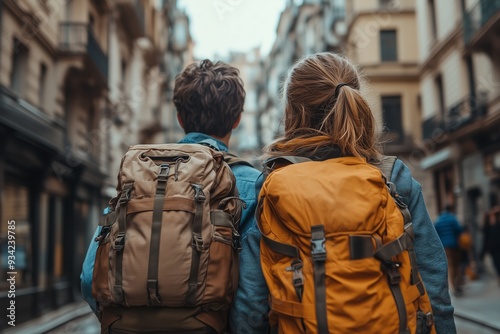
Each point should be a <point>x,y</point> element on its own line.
<point>197,137</point>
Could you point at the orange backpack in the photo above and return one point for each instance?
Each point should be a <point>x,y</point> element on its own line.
<point>337,250</point>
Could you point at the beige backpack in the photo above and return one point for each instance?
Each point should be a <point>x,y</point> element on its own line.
<point>167,259</point>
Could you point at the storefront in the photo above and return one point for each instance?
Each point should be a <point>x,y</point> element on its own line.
<point>53,203</point>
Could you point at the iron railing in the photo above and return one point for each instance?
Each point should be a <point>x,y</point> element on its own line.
<point>455,117</point>
<point>78,37</point>
<point>477,17</point>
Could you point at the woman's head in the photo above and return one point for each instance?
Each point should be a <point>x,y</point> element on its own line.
<point>324,107</point>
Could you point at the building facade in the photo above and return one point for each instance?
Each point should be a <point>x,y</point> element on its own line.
<point>459,53</point>
<point>80,81</point>
<point>381,40</point>
<point>305,28</point>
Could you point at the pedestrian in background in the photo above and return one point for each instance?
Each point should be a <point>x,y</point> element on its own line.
<point>327,117</point>
<point>491,235</point>
<point>449,230</point>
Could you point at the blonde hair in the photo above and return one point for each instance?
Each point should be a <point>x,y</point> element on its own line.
<point>315,116</point>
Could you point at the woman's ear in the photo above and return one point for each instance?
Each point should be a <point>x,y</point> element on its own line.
<point>235,125</point>
<point>179,119</point>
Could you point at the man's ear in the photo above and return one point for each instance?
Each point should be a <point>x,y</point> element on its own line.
<point>235,125</point>
<point>179,119</point>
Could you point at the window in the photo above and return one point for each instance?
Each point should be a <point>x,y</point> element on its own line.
<point>392,117</point>
<point>19,67</point>
<point>440,93</point>
<point>432,16</point>
<point>388,45</point>
<point>41,85</point>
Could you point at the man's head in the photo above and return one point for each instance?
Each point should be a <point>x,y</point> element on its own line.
<point>209,98</point>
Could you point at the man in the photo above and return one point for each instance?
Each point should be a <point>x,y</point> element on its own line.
<point>449,230</point>
<point>209,98</point>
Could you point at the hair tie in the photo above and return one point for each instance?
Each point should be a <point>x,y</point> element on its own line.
<point>337,89</point>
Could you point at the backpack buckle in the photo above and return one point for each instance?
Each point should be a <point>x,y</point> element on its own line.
<point>199,195</point>
<point>393,273</point>
<point>318,251</point>
<point>104,232</point>
<point>297,277</point>
<point>236,242</point>
<point>125,196</point>
<point>119,242</point>
<point>197,242</point>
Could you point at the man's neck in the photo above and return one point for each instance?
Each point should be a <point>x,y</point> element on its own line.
<point>224,139</point>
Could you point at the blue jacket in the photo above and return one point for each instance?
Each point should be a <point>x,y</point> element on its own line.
<point>448,229</point>
<point>431,257</point>
<point>249,311</point>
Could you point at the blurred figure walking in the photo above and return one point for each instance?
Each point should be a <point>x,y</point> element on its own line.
<point>491,234</point>
<point>449,230</point>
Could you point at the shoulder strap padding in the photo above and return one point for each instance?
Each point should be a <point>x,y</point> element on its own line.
<point>386,165</point>
<point>233,160</point>
<point>280,161</point>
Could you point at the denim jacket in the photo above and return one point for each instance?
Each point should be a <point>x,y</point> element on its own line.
<point>249,310</point>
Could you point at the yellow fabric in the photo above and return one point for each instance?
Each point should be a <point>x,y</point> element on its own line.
<point>348,196</point>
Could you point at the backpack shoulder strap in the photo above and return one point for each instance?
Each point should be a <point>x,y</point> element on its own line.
<point>386,165</point>
<point>233,160</point>
<point>280,161</point>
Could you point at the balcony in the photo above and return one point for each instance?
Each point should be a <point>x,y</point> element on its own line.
<point>30,123</point>
<point>79,39</point>
<point>132,14</point>
<point>455,117</point>
<point>481,25</point>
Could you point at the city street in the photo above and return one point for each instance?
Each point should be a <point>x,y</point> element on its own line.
<point>476,312</point>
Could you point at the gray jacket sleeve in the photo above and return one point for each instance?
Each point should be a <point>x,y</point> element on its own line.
<point>431,257</point>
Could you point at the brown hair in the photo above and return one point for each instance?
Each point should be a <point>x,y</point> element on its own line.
<point>321,113</point>
<point>209,97</point>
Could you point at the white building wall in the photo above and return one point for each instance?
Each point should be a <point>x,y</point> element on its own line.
<point>428,96</point>
<point>423,29</point>
<point>454,74</point>
<point>448,16</point>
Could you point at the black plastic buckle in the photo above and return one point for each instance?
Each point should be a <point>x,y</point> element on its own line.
<point>297,277</point>
<point>104,232</point>
<point>119,242</point>
<point>393,272</point>
<point>318,251</point>
<point>199,195</point>
<point>429,319</point>
<point>236,242</point>
<point>163,174</point>
<point>197,242</point>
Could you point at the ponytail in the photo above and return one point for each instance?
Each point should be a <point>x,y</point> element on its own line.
<point>324,108</point>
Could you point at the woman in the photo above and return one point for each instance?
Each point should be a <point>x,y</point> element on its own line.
<point>325,117</point>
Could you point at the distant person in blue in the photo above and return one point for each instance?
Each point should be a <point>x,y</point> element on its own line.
<point>449,230</point>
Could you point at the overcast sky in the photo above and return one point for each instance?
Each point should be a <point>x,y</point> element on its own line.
<point>221,26</point>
